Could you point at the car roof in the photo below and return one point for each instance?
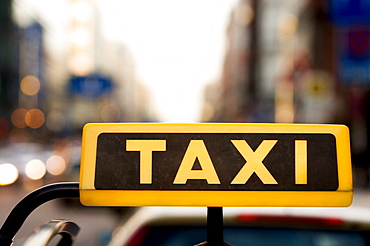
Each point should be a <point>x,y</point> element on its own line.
<point>352,213</point>
<point>167,215</point>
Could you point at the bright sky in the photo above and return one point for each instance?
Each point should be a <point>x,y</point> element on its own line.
<point>178,45</point>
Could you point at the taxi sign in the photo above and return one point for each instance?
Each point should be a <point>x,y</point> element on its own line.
<point>159,164</point>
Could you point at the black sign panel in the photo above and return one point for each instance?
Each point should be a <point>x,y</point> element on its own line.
<point>262,161</point>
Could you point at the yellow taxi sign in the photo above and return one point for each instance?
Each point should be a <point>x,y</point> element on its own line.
<point>159,164</point>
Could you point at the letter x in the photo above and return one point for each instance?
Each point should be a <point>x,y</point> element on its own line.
<point>254,162</point>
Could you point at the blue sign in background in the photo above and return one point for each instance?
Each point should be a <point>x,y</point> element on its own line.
<point>346,12</point>
<point>352,21</point>
<point>94,85</point>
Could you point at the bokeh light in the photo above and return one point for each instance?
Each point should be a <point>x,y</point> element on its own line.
<point>8,174</point>
<point>110,113</point>
<point>80,37</point>
<point>285,114</point>
<point>18,118</point>
<point>30,85</point>
<point>35,118</point>
<point>35,169</point>
<point>56,165</point>
<point>288,24</point>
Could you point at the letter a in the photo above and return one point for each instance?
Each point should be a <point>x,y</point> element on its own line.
<point>196,149</point>
<point>254,162</point>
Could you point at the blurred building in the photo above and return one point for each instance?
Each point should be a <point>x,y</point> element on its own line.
<point>8,66</point>
<point>103,83</point>
<point>56,74</point>
<point>262,39</point>
<point>299,61</point>
<point>24,94</point>
<point>230,101</point>
<point>280,64</point>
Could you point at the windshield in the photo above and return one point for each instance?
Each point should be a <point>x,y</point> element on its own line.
<point>237,236</point>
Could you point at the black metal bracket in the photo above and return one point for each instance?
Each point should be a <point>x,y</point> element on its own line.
<point>29,203</point>
<point>215,228</point>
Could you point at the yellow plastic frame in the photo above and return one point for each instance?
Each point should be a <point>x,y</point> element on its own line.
<point>89,196</point>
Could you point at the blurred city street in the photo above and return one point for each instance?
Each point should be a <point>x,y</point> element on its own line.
<point>68,63</point>
<point>96,224</point>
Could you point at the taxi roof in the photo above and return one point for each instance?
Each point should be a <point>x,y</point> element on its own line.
<point>197,215</point>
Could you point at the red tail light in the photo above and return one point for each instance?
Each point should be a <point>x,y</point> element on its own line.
<point>277,219</point>
<point>138,237</point>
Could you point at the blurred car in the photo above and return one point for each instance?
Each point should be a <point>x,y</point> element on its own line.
<point>246,226</point>
<point>28,161</point>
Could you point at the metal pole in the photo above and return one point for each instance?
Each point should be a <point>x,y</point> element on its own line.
<point>215,226</point>
<point>25,207</point>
